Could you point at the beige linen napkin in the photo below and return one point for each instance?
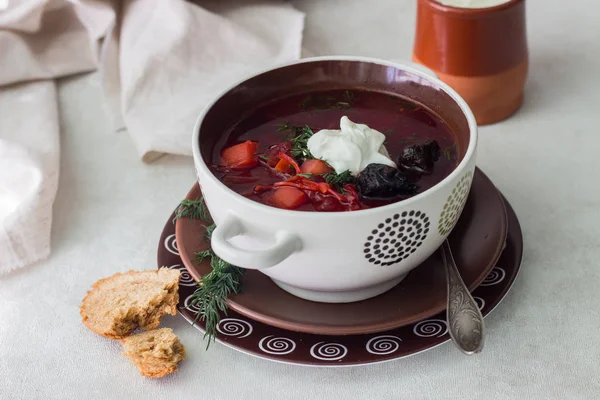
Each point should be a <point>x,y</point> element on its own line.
<point>161,62</point>
<point>169,70</point>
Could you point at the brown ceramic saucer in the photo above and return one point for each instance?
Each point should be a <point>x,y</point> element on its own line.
<point>477,242</point>
<point>251,337</point>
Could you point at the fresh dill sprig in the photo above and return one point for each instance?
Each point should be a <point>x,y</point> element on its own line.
<point>300,144</point>
<point>299,136</point>
<point>209,231</point>
<point>214,289</point>
<point>193,209</point>
<point>337,181</point>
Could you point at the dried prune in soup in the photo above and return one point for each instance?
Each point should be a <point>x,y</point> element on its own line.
<point>420,157</point>
<point>382,182</point>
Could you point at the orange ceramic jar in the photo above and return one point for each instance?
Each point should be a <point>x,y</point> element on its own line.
<point>480,52</point>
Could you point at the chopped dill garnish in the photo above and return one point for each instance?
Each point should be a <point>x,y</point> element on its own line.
<point>193,209</point>
<point>209,231</point>
<point>320,101</point>
<point>299,136</point>
<point>284,126</point>
<point>337,181</point>
<point>448,151</point>
<point>213,290</point>
<point>300,143</point>
<point>349,95</point>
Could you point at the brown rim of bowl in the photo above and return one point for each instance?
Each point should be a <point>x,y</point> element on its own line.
<point>470,152</point>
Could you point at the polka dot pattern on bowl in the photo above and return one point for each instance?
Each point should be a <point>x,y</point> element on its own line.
<point>396,238</point>
<point>454,204</point>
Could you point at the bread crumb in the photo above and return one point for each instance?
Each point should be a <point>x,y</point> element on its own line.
<point>156,353</point>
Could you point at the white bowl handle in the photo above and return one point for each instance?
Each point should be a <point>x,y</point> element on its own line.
<point>285,245</point>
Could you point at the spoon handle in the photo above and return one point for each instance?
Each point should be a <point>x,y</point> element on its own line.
<point>465,321</point>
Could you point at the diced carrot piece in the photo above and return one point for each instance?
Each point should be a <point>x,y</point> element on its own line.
<point>289,197</point>
<point>290,160</point>
<point>241,155</point>
<point>315,167</point>
<point>284,166</point>
<point>272,153</point>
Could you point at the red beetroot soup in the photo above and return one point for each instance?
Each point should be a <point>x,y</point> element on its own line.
<point>264,156</point>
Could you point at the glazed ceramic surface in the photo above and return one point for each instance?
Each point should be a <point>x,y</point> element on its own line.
<point>258,339</point>
<point>477,242</point>
<point>332,257</point>
<point>480,52</point>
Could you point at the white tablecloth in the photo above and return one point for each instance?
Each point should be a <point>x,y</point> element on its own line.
<point>542,340</point>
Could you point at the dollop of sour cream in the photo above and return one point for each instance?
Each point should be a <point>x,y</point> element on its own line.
<point>352,147</point>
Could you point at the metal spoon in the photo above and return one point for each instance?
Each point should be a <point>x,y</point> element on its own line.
<point>465,322</point>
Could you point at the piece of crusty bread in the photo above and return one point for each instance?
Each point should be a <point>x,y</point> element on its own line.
<point>156,353</point>
<point>117,305</point>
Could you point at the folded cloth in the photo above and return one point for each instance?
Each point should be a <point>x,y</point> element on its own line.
<point>174,58</point>
<point>28,171</point>
<point>161,63</point>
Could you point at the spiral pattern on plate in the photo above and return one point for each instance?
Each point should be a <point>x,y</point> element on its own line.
<point>328,351</point>
<point>495,276</point>
<point>431,328</point>
<point>234,327</point>
<point>187,304</point>
<point>384,344</point>
<point>480,302</point>
<point>185,278</point>
<point>276,345</point>
<point>171,244</point>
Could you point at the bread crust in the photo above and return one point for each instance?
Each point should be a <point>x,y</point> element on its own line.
<point>103,314</point>
<point>155,353</point>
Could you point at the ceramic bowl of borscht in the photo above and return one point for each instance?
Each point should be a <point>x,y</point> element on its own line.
<point>335,176</point>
